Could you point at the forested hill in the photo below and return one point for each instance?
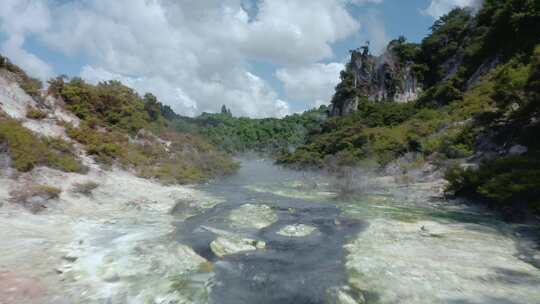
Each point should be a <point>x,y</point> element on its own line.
<point>269,136</point>
<point>476,78</point>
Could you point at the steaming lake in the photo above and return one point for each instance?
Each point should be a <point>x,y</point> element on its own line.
<point>282,236</point>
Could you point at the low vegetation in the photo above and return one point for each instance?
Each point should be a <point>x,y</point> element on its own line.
<point>117,127</point>
<point>28,150</point>
<point>120,127</point>
<point>85,188</point>
<point>34,197</point>
<point>512,182</point>
<point>35,113</point>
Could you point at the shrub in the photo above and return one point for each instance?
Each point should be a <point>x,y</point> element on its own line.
<point>31,86</point>
<point>49,191</point>
<point>28,150</point>
<point>34,197</point>
<point>510,183</point>
<point>35,113</point>
<point>85,188</point>
<point>440,95</point>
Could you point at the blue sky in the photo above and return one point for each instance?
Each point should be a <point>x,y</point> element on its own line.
<point>262,58</point>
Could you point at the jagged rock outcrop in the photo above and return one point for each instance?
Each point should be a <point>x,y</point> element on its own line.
<point>384,77</point>
<point>377,78</point>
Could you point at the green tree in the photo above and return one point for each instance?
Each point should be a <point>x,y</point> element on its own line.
<point>151,106</point>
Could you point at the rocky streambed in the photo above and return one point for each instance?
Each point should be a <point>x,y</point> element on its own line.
<point>289,237</point>
<point>265,235</point>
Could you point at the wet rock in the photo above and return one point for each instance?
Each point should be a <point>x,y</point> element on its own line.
<point>297,230</point>
<point>227,245</point>
<point>342,295</point>
<point>518,150</point>
<point>253,216</point>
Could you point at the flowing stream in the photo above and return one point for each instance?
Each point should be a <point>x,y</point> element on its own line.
<point>390,243</point>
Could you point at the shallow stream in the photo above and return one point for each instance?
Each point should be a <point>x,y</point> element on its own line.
<point>389,243</point>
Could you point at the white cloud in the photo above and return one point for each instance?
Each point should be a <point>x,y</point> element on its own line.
<point>375,31</point>
<point>438,8</point>
<point>194,55</point>
<point>19,18</point>
<point>361,2</point>
<point>314,83</point>
<point>295,31</point>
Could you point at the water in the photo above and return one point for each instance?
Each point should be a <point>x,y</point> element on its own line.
<point>388,244</point>
<point>290,270</point>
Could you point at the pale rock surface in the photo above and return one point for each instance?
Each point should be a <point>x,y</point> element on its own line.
<point>342,295</point>
<point>431,262</point>
<point>115,246</point>
<point>297,230</point>
<point>232,244</point>
<point>13,99</point>
<point>253,216</point>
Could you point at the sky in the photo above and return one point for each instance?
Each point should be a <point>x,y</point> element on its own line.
<point>261,58</point>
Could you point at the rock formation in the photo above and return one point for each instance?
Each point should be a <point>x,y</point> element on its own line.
<point>377,78</point>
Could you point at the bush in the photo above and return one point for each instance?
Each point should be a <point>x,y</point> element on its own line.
<point>32,86</point>
<point>188,159</point>
<point>440,95</point>
<point>35,113</point>
<point>28,150</point>
<point>49,191</point>
<point>111,104</point>
<point>510,183</point>
<point>85,188</point>
<point>34,197</point>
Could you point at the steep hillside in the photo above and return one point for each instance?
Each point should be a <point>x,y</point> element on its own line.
<point>108,122</point>
<point>477,75</point>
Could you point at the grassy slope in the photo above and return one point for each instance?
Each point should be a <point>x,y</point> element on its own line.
<point>113,115</point>
<point>27,150</point>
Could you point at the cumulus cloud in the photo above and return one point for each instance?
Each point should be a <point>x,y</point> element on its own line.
<point>297,31</point>
<point>19,18</point>
<point>194,55</point>
<point>438,8</point>
<point>314,83</point>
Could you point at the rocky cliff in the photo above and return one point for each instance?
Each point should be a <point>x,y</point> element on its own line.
<point>386,77</point>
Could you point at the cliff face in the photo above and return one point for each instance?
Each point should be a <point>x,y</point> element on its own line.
<point>378,78</point>
<point>384,77</point>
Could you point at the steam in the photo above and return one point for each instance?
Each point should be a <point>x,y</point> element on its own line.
<point>438,8</point>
